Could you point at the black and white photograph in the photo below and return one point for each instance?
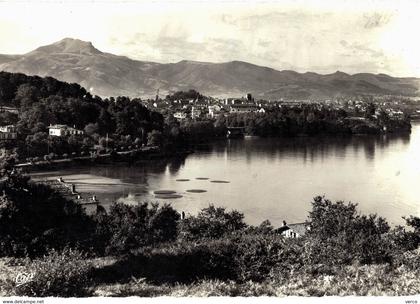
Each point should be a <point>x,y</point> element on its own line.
<point>179,150</point>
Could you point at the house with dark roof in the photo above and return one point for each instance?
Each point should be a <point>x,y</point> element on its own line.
<point>292,230</point>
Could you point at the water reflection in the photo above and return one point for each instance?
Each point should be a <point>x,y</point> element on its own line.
<point>307,148</point>
<point>176,164</point>
<point>273,179</point>
<point>139,171</point>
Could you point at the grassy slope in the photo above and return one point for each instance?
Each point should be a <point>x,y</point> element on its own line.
<point>373,280</point>
<point>361,281</point>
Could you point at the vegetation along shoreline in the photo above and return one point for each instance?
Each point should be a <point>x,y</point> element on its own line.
<point>46,122</point>
<point>147,249</point>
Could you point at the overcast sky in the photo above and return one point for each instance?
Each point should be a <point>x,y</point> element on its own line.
<point>319,36</point>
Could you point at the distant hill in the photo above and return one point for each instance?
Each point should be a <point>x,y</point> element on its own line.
<point>105,74</point>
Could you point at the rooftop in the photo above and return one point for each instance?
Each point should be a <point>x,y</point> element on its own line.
<point>299,228</point>
<point>244,105</point>
<point>57,126</point>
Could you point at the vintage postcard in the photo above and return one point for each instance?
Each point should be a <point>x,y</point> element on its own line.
<point>175,151</point>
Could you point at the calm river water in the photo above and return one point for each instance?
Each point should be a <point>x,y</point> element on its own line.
<point>272,179</point>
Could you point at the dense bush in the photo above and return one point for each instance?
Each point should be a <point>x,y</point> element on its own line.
<point>34,217</point>
<point>289,121</point>
<point>198,131</point>
<point>155,138</point>
<point>216,244</point>
<point>185,96</point>
<point>240,257</point>
<point>310,119</point>
<point>256,255</point>
<point>172,262</point>
<point>339,235</point>
<point>414,223</point>
<point>63,274</point>
<point>127,227</point>
<point>406,238</point>
<point>212,222</point>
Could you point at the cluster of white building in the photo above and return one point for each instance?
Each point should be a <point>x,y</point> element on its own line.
<point>8,132</point>
<point>216,110</point>
<point>63,130</point>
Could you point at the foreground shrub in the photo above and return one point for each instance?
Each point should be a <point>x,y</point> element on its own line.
<point>34,217</point>
<point>256,256</point>
<point>409,260</point>
<point>412,238</point>
<point>239,257</point>
<point>63,274</point>
<point>403,240</point>
<point>126,227</point>
<point>212,222</point>
<point>173,262</point>
<point>339,235</point>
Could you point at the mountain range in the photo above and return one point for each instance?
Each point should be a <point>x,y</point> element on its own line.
<point>106,74</point>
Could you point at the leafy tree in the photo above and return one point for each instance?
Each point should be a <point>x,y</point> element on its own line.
<point>407,239</point>
<point>91,129</point>
<point>212,222</point>
<point>38,143</point>
<point>188,95</point>
<point>105,122</point>
<point>155,138</point>
<point>414,222</point>
<point>129,227</point>
<point>34,217</point>
<point>26,95</point>
<point>339,235</point>
<point>370,109</point>
<point>7,161</point>
<point>7,118</point>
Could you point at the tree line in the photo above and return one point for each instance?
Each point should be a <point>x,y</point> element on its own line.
<point>123,123</point>
<point>45,101</point>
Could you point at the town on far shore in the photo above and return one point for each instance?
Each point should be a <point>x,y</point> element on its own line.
<point>192,105</point>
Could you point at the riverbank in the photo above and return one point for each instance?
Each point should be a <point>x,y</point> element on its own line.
<point>361,125</point>
<point>358,127</point>
<point>377,165</point>
<point>130,157</point>
<point>69,191</point>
